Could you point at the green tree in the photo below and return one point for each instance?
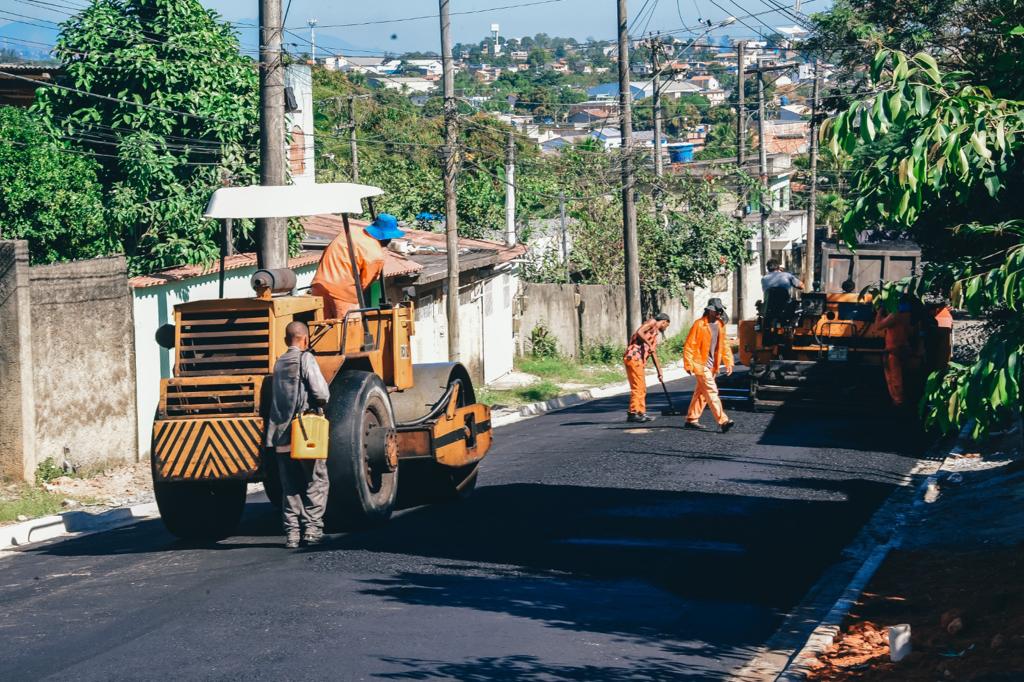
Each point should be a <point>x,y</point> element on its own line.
<point>941,161</point>
<point>162,92</point>
<point>49,194</point>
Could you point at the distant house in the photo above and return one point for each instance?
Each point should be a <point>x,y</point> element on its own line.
<point>645,138</point>
<point>610,137</point>
<point>379,65</point>
<point>794,112</point>
<point>674,89</point>
<point>714,97</point>
<point>432,67</point>
<point>519,55</point>
<point>705,82</point>
<point>611,91</point>
<point>784,137</point>
<point>587,117</point>
<point>299,124</point>
<point>22,93</point>
<point>403,83</point>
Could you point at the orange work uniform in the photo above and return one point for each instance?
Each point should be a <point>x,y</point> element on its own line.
<point>333,279</point>
<point>898,330</point>
<point>703,364</point>
<point>640,348</point>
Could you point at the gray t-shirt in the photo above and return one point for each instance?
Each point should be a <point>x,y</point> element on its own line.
<point>779,278</point>
<point>710,364</point>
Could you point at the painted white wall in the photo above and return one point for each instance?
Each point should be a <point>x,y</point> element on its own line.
<point>153,307</point>
<point>498,338</point>
<point>300,79</point>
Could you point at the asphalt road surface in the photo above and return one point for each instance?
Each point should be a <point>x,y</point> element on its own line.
<point>592,550</point>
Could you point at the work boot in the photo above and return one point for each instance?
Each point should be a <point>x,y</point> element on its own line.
<point>696,426</point>
<point>635,418</point>
<point>292,541</point>
<point>728,425</point>
<point>646,417</point>
<point>314,536</point>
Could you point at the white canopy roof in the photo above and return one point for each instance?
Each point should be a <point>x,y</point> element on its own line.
<point>289,201</point>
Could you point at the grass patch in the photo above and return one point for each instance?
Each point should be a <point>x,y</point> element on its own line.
<point>30,501</point>
<point>534,393</point>
<point>559,370</point>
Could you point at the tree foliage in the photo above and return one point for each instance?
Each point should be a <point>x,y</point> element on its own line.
<point>49,195</point>
<point>158,91</point>
<point>944,154</point>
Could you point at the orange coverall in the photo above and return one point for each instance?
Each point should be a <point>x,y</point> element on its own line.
<point>642,345</point>
<point>333,279</point>
<point>897,347</point>
<point>695,360</point>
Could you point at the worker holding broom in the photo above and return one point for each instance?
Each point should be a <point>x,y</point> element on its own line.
<point>643,345</point>
<point>705,351</point>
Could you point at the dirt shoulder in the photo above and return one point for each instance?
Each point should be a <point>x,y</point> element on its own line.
<point>957,580</point>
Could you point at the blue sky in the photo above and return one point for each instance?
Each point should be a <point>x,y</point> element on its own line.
<point>580,19</point>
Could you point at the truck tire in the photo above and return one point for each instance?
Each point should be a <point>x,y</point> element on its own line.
<point>200,510</point>
<point>361,494</point>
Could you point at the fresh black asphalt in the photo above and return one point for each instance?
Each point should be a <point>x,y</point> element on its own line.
<point>592,550</point>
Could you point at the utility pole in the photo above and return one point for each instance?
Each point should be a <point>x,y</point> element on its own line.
<point>629,238</point>
<point>451,219</point>
<point>565,234</point>
<point>656,102</point>
<point>741,135</point>
<point>763,171</point>
<point>812,206</point>
<point>741,111</point>
<point>312,36</point>
<point>271,236</point>
<point>352,143</point>
<point>510,191</point>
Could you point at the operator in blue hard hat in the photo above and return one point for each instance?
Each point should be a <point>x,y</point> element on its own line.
<point>334,280</point>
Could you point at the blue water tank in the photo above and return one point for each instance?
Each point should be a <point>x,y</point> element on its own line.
<point>681,152</point>
<point>783,100</point>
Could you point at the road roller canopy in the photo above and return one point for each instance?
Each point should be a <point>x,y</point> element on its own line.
<point>289,201</point>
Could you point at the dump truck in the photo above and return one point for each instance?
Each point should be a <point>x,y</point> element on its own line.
<point>394,427</point>
<point>822,347</point>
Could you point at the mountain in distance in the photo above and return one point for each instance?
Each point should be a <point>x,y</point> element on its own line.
<point>34,42</point>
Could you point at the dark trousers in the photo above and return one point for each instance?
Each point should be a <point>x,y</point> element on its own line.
<point>304,488</point>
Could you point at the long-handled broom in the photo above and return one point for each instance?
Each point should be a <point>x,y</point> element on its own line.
<point>671,410</point>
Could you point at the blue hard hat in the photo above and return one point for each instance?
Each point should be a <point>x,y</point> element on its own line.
<point>385,226</point>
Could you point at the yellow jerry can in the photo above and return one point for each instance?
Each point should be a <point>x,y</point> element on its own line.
<point>310,434</point>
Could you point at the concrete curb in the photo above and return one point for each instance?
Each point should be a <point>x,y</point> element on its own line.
<point>72,523</point>
<point>828,628</point>
<point>671,373</point>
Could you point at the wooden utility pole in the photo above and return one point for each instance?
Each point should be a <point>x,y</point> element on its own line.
<point>741,110</point>
<point>510,190</point>
<point>271,235</point>
<point>451,133</point>
<point>352,143</point>
<point>812,205</point>
<point>766,247</point>
<point>629,238</point>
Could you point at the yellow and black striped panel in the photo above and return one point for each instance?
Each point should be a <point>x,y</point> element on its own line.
<point>210,448</point>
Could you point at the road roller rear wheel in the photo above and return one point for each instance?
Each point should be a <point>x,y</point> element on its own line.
<point>200,510</point>
<point>363,470</point>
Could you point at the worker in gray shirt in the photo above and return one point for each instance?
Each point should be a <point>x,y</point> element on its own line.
<point>777,277</point>
<point>298,383</point>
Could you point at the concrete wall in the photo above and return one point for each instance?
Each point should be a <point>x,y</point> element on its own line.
<point>17,411</point>
<point>66,363</point>
<point>83,361</point>
<point>585,315</point>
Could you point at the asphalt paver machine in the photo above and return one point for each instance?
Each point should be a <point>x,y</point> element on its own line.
<point>395,427</point>
<point>823,347</point>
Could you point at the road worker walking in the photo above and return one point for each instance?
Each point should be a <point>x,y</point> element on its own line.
<point>899,336</point>
<point>705,351</point>
<point>334,281</point>
<point>642,345</point>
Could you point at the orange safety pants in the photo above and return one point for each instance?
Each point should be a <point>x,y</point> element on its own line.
<point>637,386</point>
<point>894,374</point>
<point>705,394</point>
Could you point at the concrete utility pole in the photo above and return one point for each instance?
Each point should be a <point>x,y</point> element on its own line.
<point>271,236</point>
<point>741,110</point>
<point>353,145</point>
<point>629,238</point>
<point>656,46</point>
<point>766,247</point>
<point>451,133</point>
<point>565,234</point>
<point>812,206</point>
<point>510,191</point>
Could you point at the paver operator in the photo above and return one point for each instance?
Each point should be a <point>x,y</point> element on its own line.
<point>778,277</point>
<point>334,281</point>
<point>705,351</point>
<point>298,384</point>
<point>642,345</point>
